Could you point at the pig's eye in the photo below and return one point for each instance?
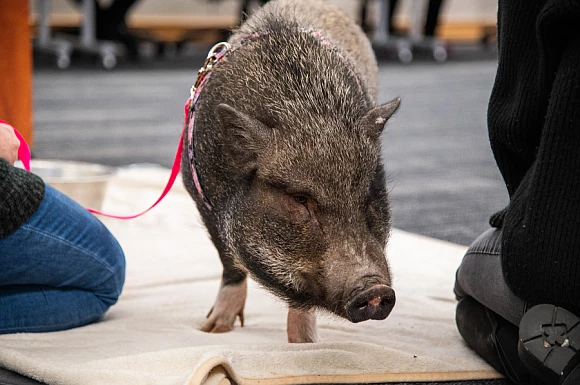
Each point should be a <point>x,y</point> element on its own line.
<point>300,199</point>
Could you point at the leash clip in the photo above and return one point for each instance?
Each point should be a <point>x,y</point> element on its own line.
<point>215,54</point>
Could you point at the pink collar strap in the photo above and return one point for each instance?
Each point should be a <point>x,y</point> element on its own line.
<point>216,54</point>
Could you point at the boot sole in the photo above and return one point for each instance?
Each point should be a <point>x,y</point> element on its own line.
<point>549,344</point>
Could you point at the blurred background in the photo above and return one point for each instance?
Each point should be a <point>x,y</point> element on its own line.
<point>108,80</point>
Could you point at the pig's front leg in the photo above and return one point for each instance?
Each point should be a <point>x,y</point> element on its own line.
<point>301,326</point>
<point>228,305</point>
<point>231,298</point>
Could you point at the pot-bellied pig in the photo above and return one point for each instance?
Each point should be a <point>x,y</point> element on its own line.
<point>282,157</point>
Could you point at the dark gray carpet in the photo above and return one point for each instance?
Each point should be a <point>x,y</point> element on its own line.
<point>482,382</point>
<point>443,178</point>
<point>10,378</point>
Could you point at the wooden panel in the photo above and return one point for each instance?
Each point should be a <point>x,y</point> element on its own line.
<point>16,66</point>
<point>467,31</point>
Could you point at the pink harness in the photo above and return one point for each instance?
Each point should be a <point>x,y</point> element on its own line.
<point>216,54</point>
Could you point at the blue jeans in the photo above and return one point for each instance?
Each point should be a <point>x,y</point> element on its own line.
<point>59,270</point>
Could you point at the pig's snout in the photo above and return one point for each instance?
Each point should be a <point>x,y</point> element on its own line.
<point>374,303</point>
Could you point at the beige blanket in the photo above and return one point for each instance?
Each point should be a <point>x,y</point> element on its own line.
<point>151,336</point>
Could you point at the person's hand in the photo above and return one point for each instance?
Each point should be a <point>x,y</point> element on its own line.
<point>9,143</point>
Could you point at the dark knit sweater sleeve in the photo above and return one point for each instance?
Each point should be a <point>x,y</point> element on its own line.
<point>534,124</point>
<point>20,195</point>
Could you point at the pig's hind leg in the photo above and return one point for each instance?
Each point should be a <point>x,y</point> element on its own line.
<point>301,326</point>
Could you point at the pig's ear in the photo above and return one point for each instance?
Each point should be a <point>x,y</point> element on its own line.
<point>245,135</point>
<point>374,121</point>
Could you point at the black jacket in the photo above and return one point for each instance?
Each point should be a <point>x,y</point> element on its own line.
<point>20,195</point>
<point>534,129</point>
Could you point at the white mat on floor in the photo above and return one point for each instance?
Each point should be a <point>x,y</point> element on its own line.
<point>151,337</point>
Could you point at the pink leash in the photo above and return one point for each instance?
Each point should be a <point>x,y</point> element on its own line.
<point>172,177</point>
<point>215,54</point>
<point>23,150</point>
<point>24,156</point>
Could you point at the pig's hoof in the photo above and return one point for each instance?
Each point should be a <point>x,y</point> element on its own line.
<point>229,304</point>
<point>221,323</point>
<point>301,326</point>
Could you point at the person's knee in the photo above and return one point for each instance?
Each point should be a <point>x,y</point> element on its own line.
<point>103,263</point>
<point>110,289</point>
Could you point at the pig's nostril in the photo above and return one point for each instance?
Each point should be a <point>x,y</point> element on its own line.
<point>374,303</point>
<point>361,305</point>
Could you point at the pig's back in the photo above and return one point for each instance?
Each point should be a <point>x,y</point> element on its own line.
<point>330,21</point>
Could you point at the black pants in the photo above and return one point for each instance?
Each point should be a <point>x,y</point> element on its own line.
<point>480,276</point>
<point>431,19</point>
<point>488,312</point>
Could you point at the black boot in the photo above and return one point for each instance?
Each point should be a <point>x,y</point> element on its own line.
<point>493,338</point>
